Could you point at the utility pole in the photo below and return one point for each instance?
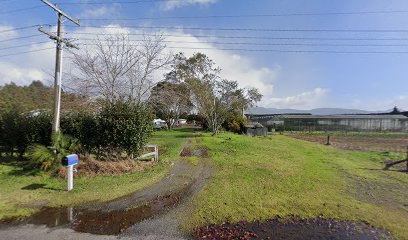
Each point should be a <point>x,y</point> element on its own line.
<point>58,62</point>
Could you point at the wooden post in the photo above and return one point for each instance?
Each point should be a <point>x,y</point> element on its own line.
<point>407,160</point>
<point>328,140</point>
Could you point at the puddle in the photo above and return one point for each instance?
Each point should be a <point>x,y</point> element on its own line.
<point>116,216</point>
<point>188,152</point>
<point>293,230</point>
<point>99,222</point>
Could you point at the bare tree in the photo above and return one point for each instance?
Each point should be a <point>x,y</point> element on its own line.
<point>214,98</point>
<point>170,101</point>
<point>201,75</point>
<point>115,68</point>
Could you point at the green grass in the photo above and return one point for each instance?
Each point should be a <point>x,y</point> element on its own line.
<point>349,134</point>
<point>263,178</point>
<point>24,190</point>
<point>255,179</point>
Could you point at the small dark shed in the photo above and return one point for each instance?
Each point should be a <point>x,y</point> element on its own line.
<point>255,129</point>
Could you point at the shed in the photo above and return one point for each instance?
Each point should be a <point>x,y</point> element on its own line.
<point>255,129</point>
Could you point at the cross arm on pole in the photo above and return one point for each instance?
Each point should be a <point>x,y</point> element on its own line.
<point>61,12</point>
<point>59,39</point>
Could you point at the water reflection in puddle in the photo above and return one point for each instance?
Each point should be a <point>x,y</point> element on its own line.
<point>99,222</point>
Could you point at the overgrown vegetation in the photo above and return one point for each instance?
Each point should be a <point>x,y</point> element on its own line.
<point>265,178</point>
<point>220,102</point>
<point>119,131</point>
<point>25,189</point>
<point>35,96</point>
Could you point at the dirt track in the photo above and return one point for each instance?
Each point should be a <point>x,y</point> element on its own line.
<point>363,143</point>
<point>148,214</point>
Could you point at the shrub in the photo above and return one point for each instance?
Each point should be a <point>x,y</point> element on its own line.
<point>125,127</point>
<point>85,127</point>
<point>44,156</point>
<point>14,131</point>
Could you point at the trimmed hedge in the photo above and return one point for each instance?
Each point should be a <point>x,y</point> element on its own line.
<point>121,127</point>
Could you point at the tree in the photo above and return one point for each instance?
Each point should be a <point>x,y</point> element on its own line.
<point>170,100</point>
<point>201,76</point>
<point>114,68</point>
<point>214,98</point>
<point>395,110</point>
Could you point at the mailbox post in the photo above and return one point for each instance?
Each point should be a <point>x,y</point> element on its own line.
<point>70,161</point>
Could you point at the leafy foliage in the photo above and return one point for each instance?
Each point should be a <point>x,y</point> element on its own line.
<point>170,100</point>
<point>125,126</point>
<point>14,131</point>
<point>219,101</point>
<point>35,96</point>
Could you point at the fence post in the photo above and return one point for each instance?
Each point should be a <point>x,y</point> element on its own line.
<point>407,160</point>
<point>328,140</point>
<point>156,150</point>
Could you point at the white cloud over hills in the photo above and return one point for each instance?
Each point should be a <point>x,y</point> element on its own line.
<point>172,4</point>
<point>22,69</point>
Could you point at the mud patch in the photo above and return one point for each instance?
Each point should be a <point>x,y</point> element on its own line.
<point>292,230</point>
<point>200,152</point>
<point>99,222</point>
<point>385,143</point>
<point>392,195</point>
<point>114,217</point>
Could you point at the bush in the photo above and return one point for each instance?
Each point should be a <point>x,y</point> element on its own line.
<point>14,132</point>
<point>44,156</point>
<point>85,127</point>
<point>120,128</point>
<point>125,127</point>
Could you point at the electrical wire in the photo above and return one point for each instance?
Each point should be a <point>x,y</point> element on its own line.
<point>251,29</point>
<point>23,37</point>
<point>241,37</point>
<point>18,53</point>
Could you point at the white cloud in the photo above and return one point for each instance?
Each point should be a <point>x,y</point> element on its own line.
<point>234,66</point>
<point>7,32</point>
<point>172,4</point>
<point>303,100</point>
<point>100,11</point>
<point>382,105</point>
<point>19,75</point>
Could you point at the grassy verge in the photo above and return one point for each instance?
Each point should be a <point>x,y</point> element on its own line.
<point>24,190</point>
<point>348,134</point>
<point>263,178</point>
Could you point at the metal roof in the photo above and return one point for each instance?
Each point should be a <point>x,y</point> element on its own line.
<point>309,116</point>
<point>343,117</point>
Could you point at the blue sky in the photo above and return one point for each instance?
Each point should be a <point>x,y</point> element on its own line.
<point>374,81</point>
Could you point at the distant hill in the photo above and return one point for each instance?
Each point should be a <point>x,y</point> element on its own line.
<point>316,111</point>
<point>34,96</point>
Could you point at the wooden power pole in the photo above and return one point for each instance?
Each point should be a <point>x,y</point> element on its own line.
<point>58,62</point>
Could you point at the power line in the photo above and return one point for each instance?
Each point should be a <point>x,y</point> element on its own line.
<point>23,37</point>
<point>248,50</point>
<point>18,53</point>
<point>244,16</point>
<point>18,28</point>
<point>262,44</point>
<point>23,45</point>
<point>229,43</point>
<point>252,29</point>
<point>21,10</point>
<point>243,37</point>
<point>117,2</point>
<point>286,51</point>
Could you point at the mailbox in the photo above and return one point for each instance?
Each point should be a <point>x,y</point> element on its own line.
<point>70,160</point>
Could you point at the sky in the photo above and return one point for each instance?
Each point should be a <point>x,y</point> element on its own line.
<point>299,54</point>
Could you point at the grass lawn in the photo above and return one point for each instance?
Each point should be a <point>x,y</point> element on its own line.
<point>255,179</point>
<point>23,190</point>
<point>264,178</point>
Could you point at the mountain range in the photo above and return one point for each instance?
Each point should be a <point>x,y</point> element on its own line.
<point>315,111</point>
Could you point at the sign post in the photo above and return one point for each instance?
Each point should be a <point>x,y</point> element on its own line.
<point>70,161</point>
